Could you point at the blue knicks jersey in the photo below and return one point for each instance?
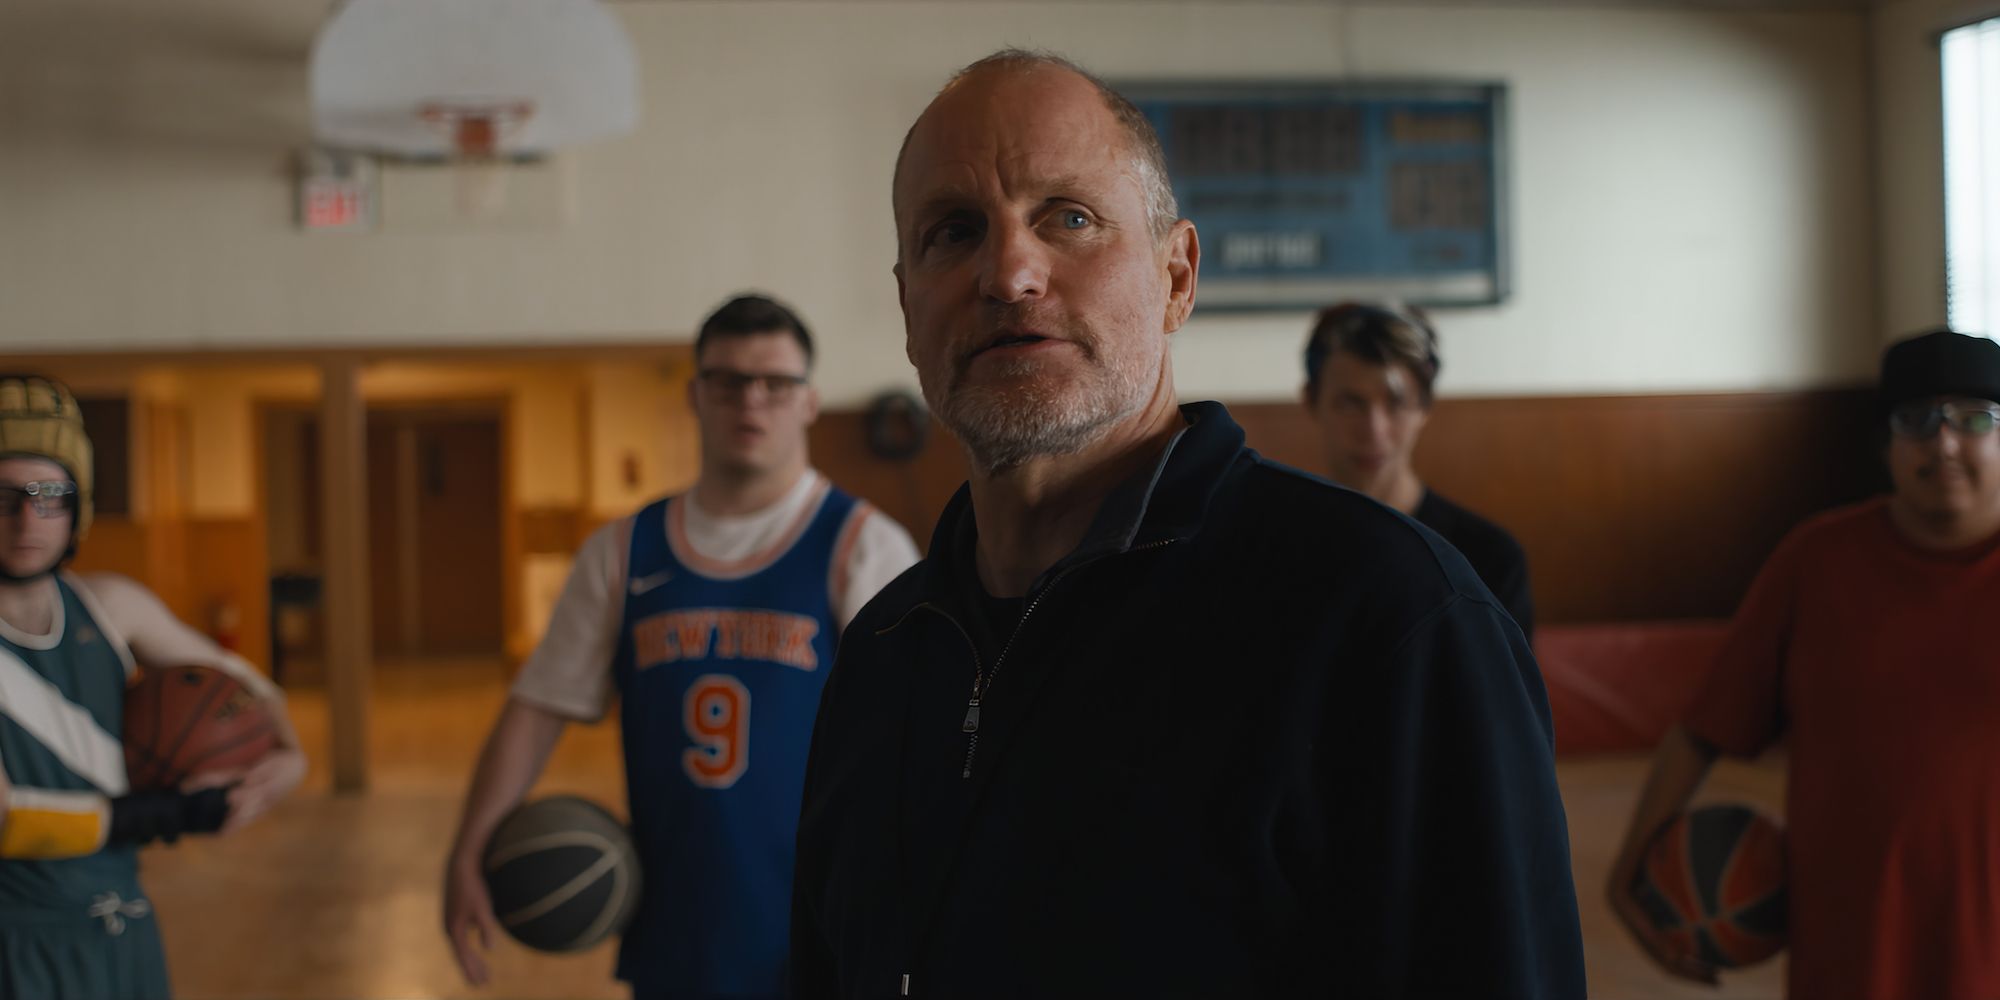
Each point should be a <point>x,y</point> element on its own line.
<point>719,670</point>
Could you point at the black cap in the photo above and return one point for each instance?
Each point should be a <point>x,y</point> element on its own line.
<point>1940,363</point>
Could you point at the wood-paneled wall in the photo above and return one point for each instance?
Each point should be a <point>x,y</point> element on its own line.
<point>196,567</point>
<point>551,530</point>
<point>227,565</point>
<point>913,492</point>
<point>1630,507</point>
<point>117,544</point>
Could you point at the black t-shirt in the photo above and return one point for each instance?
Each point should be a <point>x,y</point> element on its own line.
<point>993,619</point>
<point>1493,553</point>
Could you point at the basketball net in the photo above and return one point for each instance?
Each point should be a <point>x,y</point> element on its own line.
<point>477,168</point>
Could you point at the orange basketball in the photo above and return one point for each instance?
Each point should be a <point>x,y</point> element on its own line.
<point>184,720</point>
<point>1714,881</point>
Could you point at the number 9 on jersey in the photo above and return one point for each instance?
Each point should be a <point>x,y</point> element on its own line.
<point>717,716</point>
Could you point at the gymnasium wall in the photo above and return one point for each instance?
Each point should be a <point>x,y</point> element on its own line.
<point>642,440</point>
<point>1630,507</point>
<point>1720,216</point>
<point>210,523</point>
<point>222,404</point>
<point>1691,187</point>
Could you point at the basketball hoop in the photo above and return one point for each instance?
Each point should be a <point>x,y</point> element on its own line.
<point>472,84</point>
<point>475,130</point>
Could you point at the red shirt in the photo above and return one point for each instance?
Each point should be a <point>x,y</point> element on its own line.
<point>1880,664</point>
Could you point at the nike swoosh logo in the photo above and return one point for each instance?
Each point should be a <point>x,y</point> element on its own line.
<point>643,584</point>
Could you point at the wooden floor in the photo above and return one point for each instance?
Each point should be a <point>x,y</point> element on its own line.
<point>336,898</point>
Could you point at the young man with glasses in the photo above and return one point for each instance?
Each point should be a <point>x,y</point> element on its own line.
<point>713,615</point>
<point>1867,645</point>
<point>74,922</point>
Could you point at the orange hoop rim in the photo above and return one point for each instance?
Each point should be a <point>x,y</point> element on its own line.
<point>476,128</point>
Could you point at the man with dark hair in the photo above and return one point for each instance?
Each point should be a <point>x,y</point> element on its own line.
<point>74,921</point>
<point>748,314</point>
<point>1370,370</point>
<point>1130,731</point>
<point>1866,644</point>
<point>714,610</point>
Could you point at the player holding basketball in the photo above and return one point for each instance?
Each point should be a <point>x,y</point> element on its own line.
<point>1156,717</point>
<point>1867,644</point>
<point>713,616</point>
<point>74,922</point>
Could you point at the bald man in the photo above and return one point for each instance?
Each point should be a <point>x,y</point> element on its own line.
<point>1156,717</point>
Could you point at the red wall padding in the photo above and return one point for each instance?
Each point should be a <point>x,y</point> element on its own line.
<point>1618,687</point>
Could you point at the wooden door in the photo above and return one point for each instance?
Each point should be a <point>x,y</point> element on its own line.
<point>458,500</point>
<point>436,552</point>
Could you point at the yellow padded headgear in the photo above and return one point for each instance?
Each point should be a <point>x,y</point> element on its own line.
<point>39,417</point>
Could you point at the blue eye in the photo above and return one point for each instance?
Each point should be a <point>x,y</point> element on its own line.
<point>1075,220</point>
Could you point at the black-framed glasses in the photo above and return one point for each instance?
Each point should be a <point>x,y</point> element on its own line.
<point>1921,420</point>
<point>729,384</point>
<point>47,498</point>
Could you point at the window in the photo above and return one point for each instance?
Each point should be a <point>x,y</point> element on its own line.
<point>1972,177</point>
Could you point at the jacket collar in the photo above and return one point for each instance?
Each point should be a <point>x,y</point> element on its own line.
<point>1162,502</point>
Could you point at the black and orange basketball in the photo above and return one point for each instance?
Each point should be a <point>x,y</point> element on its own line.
<point>181,721</point>
<point>1714,883</point>
<point>562,874</point>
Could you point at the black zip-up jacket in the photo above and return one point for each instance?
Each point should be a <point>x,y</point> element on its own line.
<point>1259,736</point>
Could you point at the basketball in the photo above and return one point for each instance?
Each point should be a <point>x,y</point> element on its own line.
<point>1714,882</point>
<point>181,721</point>
<point>562,874</point>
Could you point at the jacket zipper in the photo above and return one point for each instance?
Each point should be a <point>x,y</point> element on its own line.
<point>971,724</point>
<point>982,680</point>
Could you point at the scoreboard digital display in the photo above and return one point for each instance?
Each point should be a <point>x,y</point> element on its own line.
<point>1306,193</point>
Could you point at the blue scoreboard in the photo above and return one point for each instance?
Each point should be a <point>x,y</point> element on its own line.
<point>1306,193</point>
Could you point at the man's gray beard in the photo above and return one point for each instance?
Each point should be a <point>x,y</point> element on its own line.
<point>1004,428</point>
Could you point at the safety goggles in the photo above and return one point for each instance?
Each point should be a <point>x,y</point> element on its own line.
<point>48,498</point>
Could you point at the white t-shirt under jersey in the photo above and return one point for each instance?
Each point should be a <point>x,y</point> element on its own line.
<point>569,672</point>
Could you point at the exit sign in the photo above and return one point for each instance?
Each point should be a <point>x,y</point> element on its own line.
<point>337,192</point>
